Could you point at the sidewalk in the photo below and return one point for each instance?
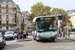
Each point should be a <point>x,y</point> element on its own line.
<point>72,37</point>
<point>29,38</point>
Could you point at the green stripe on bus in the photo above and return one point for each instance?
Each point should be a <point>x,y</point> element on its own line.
<point>47,31</point>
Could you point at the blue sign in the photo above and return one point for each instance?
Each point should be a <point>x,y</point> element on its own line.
<point>24,24</point>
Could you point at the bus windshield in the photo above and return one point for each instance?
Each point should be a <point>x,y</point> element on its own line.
<point>48,25</point>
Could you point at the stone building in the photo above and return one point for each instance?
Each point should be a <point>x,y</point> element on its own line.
<point>27,24</point>
<point>10,15</point>
<point>72,14</point>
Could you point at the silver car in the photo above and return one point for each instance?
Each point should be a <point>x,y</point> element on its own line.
<point>2,41</point>
<point>9,35</point>
<point>15,35</point>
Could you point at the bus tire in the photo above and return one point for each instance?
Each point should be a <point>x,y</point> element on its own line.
<point>37,40</point>
<point>53,40</point>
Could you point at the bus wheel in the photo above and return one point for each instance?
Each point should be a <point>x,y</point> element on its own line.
<point>37,40</point>
<point>53,40</point>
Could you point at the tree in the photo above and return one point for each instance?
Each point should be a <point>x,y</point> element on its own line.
<point>31,16</point>
<point>40,10</point>
<point>56,11</point>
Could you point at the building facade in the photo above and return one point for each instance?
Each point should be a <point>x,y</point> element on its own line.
<point>72,14</point>
<point>72,19</point>
<point>27,24</point>
<point>10,15</point>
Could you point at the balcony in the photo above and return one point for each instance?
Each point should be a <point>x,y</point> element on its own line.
<point>8,25</point>
<point>5,8</point>
<point>15,24</point>
<point>5,13</point>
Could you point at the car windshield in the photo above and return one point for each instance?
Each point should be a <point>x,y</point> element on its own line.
<point>8,33</point>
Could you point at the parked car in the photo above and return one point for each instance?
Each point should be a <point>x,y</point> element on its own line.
<point>29,33</point>
<point>72,31</point>
<point>15,35</point>
<point>2,40</point>
<point>9,35</point>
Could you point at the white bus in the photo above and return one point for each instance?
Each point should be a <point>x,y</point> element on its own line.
<point>46,28</point>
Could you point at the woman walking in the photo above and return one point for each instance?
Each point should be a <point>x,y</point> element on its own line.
<point>21,34</point>
<point>18,35</point>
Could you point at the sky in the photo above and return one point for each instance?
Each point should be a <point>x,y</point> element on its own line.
<point>25,5</point>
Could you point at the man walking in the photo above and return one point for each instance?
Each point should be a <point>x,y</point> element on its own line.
<point>21,34</point>
<point>24,34</point>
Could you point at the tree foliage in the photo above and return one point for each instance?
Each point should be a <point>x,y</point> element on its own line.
<point>39,9</point>
<point>56,11</point>
<point>31,16</point>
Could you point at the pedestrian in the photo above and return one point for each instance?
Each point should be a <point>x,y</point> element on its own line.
<point>60,32</point>
<point>18,35</point>
<point>21,34</point>
<point>24,34</point>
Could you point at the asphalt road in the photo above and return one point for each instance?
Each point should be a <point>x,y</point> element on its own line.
<point>59,44</point>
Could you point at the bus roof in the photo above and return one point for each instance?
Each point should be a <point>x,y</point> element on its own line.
<point>34,20</point>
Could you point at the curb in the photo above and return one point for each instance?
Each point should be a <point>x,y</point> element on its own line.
<point>22,40</point>
<point>70,39</point>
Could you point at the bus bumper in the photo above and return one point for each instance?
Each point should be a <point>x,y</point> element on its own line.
<point>46,37</point>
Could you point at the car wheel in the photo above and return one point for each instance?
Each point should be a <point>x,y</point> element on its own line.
<point>13,38</point>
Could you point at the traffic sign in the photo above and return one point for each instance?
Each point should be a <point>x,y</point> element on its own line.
<point>64,22</point>
<point>25,24</point>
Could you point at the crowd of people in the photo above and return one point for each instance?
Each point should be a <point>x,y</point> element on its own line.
<point>64,33</point>
<point>22,34</point>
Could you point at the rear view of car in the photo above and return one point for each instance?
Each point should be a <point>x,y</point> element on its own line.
<point>9,35</point>
<point>72,31</point>
<point>2,41</point>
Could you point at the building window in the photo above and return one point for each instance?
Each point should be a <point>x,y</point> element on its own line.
<point>7,22</point>
<point>0,5</point>
<point>7,28</point>
<point>7,11</point>
<point>7,16</point>
<point>0,17</point>
<point>6,6</point>
<point>0,11</point>
<point>0,22</point>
